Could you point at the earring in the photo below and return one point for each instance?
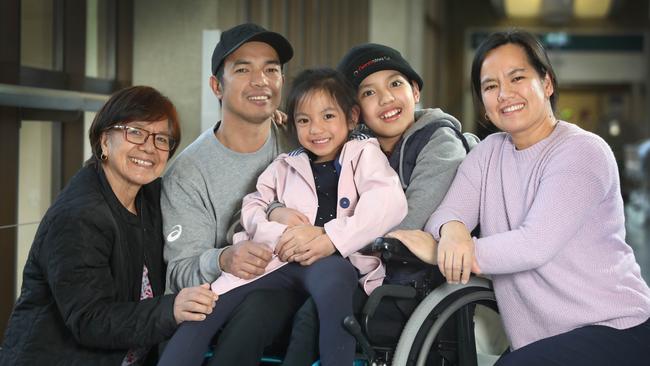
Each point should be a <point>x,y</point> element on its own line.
<point>103,156</point>
<point>487,118</point>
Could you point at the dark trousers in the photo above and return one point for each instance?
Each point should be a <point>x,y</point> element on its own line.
<point>250,330</point>
<point>331,282</point>
<point>593,345</point>
<point>303,345</point>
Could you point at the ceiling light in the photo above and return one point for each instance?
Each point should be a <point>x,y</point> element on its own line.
<point>554,10</point>
<point>591,8</point>
<point>522,8</point>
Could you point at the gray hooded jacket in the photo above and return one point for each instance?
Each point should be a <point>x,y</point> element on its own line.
<point>426,159</point>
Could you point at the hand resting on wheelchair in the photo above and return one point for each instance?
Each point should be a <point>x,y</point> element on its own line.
<point>418,242</point>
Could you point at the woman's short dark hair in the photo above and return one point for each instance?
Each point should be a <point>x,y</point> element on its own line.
<point>535,52</point>
<point>136,103</point>
<point>326,80</point>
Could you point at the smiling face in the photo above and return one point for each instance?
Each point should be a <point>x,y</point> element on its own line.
<point>251,85</point>
<point>129,166</point>
<point>515,96</point>
<point>321,125</point>
<point>387,101</point>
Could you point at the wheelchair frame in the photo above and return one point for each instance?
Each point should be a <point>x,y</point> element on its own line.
<point>420,334</point>
<point>419,337</point>
<point>433,312</point>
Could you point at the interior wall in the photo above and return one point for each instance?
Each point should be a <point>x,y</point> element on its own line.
<point>167,53</point>
<point>433,47</point>
<point>388,17</point>
<point>582,107</point>
<point>36,33</point>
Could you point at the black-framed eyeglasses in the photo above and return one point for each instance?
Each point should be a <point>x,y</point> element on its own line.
<point>139,136</point>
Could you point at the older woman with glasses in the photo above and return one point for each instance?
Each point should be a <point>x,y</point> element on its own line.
<point>93,283</point>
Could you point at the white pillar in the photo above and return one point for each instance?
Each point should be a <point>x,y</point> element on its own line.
<point>400,25</point>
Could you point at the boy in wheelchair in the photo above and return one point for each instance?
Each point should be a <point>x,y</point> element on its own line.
<point>425,147</point>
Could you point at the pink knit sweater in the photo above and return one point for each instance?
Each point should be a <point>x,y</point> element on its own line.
<point>552,233</point>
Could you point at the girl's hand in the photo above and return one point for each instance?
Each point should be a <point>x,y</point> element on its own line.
<point>455,252</point>
<point>194,303</point>
<point>279,117</point>
<point>288,216</point>
<point>316,249</point>
<point>418,242</point>
<point>293,238</point>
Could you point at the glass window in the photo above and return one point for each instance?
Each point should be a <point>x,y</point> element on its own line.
<point>34,186</point>
<point>100,39</point>
<point>36,34</point>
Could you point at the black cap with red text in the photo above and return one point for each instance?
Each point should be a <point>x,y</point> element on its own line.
<point>368,58</point>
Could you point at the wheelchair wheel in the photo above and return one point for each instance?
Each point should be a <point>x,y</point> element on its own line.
<point>424,325</point>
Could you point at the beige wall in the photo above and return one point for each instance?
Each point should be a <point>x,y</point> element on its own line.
<point>415,28</point>
<point>400,25</point>
<point>167,53</point>
<point>36,34</point>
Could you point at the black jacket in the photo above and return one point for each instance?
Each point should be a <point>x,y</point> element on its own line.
<point>79,302</point>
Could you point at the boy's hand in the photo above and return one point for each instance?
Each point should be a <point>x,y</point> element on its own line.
<point>288,216</point>
<point>316,249</point>
<point>279,117</point>
<point>455,252</point>
<point>418,242</point>
<point>293,238</point>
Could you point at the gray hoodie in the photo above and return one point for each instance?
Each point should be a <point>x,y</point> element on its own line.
<point>427,176</point>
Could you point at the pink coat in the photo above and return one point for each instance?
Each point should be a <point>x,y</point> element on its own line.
<point>371,202</point>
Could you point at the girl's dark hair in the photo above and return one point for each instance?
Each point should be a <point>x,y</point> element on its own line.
<point>535,52</point>
<point>327,80</point>
<point>136,103</point>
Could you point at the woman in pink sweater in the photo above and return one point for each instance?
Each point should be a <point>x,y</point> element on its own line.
<point>546,195</point>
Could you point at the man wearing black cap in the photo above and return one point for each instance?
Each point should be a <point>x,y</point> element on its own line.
<point>204,186</point>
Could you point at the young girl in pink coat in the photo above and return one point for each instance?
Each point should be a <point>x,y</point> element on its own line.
<point>344,186</point>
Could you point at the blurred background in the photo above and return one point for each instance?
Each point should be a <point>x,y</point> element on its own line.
<point>61,59</point>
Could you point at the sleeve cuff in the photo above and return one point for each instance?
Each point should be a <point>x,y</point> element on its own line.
<point>481,257</point>
<point>272,206</point>
<point>436,222</point>
<point>210,264</point>
<point>168,321</point>
<point>477,253</point>
<point>335,239</point>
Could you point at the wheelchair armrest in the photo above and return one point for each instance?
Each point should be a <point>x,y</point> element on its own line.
<point>391,249</point>
<point>396,291</point>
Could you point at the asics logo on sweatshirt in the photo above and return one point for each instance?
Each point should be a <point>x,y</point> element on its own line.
<point>175,233</point>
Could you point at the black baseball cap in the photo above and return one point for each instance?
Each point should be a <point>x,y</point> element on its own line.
<point>234,37</point>
<point>368,58</point>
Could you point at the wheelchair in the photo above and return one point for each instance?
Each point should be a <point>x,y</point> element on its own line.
<point>418,319</point>
<point>439,327</point>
